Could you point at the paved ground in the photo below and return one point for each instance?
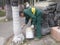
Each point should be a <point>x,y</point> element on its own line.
<point>6,30</point>
<point>46,40</point>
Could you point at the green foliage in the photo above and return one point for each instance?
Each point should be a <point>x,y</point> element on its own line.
<point>2,13</point>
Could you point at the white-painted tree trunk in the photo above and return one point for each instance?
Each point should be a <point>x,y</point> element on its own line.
<point>18,36</point>
<point>16,20</point>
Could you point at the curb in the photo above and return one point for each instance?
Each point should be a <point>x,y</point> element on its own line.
<point>1,18</point>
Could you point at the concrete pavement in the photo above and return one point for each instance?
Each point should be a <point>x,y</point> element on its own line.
<point>46,40</point>
<point>6,30</point>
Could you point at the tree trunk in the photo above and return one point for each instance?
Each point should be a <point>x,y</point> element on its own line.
<point>16,18</point>
<point>8,12</point>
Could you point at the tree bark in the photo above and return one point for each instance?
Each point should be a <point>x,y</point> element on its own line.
<point>16,18</point>
<point>8,10</point>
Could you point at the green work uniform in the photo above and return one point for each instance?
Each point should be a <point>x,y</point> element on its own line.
<point>36,20</point>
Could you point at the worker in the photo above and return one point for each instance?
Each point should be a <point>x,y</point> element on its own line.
<point>34,15</point>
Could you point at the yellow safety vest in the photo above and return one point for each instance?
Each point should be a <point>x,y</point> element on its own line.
<point>33,10</point>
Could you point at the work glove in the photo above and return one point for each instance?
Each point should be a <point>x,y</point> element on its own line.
<point>32,26</point>
<point>23,26</point>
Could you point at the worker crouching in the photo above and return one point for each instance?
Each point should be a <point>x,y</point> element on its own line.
<point>34,15</point>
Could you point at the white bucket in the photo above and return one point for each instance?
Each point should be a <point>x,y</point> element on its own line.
<point>29,33</point>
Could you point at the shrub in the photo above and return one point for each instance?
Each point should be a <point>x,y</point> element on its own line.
<point>2,13</point>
